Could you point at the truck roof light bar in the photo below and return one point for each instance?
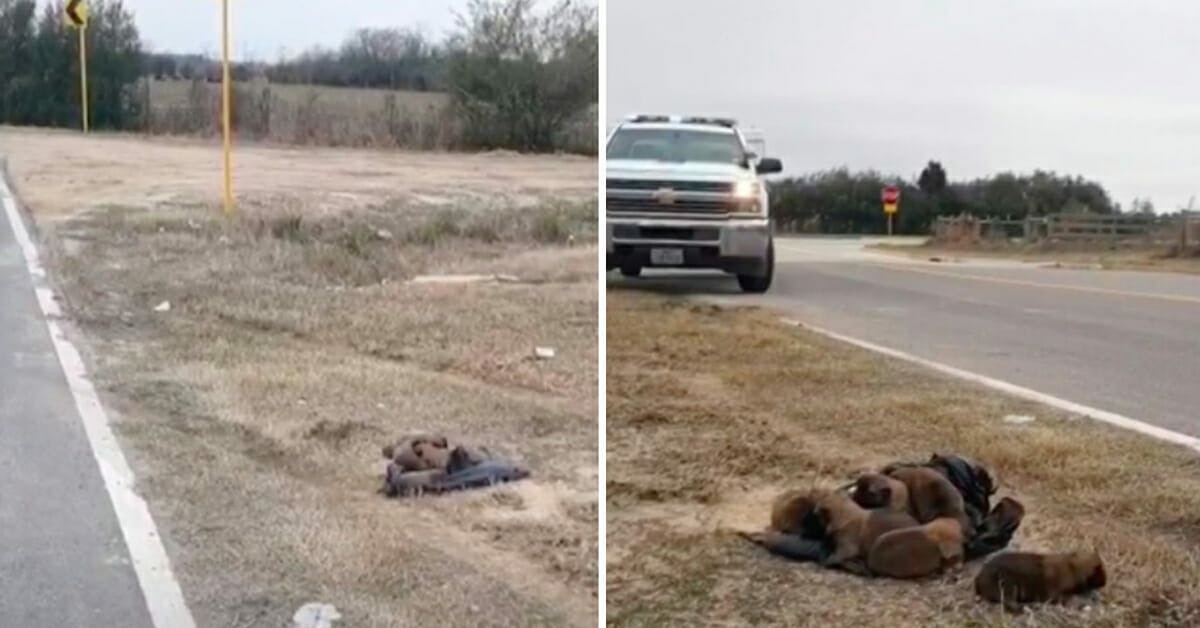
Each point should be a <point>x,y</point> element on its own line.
<point>658,117</point>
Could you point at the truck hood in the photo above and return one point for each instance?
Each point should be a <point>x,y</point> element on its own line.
<point>692,171</point>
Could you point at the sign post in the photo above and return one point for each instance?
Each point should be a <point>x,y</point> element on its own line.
<point>891,204</point>
<point>225,113</point>
<point>77,17</point>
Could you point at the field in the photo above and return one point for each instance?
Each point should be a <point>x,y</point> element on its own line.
<point>321,115</point>
<point>712,411</point>
<point>255,366</point>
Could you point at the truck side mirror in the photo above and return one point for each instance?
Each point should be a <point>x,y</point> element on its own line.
<point>769,165</point>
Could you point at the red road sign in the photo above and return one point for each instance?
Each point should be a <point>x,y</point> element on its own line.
<point>891,195</point>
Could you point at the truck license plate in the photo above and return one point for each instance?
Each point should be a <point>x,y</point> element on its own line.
<point>666,257</point>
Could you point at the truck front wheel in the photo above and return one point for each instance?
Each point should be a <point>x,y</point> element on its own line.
<point>756,284</point>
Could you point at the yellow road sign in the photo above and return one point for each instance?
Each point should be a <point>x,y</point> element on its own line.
<point>76,12</point>
<point>890,208</point>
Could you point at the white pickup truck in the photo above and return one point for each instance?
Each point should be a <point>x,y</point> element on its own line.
<point>687,192</point>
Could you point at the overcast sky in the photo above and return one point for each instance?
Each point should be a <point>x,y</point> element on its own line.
<point>1108,89</point>
<point>262,28</point>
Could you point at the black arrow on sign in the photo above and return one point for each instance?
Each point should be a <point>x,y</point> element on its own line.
<point>73,12</point>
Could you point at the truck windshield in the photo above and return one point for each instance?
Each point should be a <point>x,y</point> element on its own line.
<point>676,145</point>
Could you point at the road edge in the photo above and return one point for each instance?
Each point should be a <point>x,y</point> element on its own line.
<point>160,590</point>
<point>1104,416</point>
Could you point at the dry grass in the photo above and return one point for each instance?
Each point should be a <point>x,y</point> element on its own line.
<point>61,172</point>
<point>1099,256</point>
<point>254,409</point>
<point>324,116</point>
<point>713,411</point>
<point>175,92</point>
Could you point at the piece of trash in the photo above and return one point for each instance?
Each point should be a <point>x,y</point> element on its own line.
<point>384,234</point>
<point>316,615</point>
<point>165,306</point>
<point>1018,419</point>
<point>543,353</point>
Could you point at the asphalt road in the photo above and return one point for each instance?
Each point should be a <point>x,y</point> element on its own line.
<point>63,560</point>
<point>1125,342</point>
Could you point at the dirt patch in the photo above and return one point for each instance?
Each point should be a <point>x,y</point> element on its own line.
<point>294,347</point>
<point>712,412</point>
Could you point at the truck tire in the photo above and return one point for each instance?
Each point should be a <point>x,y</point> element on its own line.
<point>754,284</point>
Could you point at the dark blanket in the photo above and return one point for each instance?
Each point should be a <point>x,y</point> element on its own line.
<point>991,533</point>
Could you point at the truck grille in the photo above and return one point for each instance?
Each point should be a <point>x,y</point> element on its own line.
<point>719,187</point>
<point>694,234</point>
<point>652,206</point>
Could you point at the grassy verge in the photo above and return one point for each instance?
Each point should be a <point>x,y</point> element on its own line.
<point>294,346</point>
<point>1143,258</point>
<point>712,411</point>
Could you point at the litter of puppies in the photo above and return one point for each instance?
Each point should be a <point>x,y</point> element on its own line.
<point>917,520</point>
<point>429,463</point>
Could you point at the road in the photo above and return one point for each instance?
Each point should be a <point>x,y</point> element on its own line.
<point>63,558</point>
<point>1124,342</point>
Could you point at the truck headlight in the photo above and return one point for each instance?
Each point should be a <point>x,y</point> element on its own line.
<point>745,189</point>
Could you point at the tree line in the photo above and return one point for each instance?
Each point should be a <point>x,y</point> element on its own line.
<point>516,75</point>
<point>841,201</point>
<point>385,58</point>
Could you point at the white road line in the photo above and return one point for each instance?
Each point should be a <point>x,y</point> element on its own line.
<point>1059,403</point>
<point>164,598</point>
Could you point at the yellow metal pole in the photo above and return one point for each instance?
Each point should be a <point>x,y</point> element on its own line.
<point>225,106</point>
<point>83,82</point>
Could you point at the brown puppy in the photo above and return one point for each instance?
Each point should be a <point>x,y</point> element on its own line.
<point>854,529</point>
<point>404,451</point>
<point>876,490</point>
<point>1018,578</point>
<point>431,455</point>
<point>409,440</point>
<point>931,496</point>
<point>918,551</point>
<point>789,510</point>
